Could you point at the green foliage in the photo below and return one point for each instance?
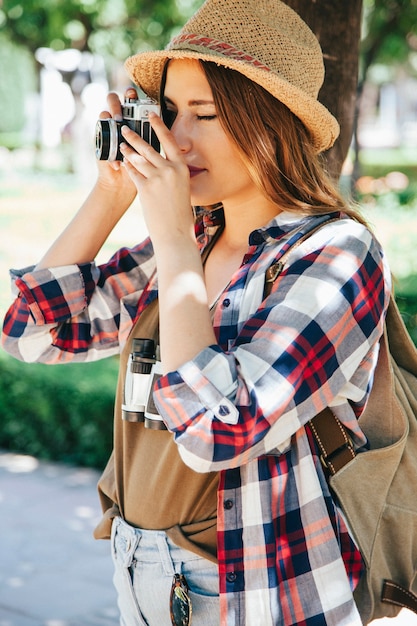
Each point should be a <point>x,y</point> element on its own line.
<point>60,413</point>
<point>13,114</point>
<point>406,296</point>
<point>115,28</point>
<point>390,32</point>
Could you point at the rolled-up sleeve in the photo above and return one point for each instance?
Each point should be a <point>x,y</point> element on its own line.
<point>312,343</point>
<point>55,295</point>
<point>76,312</point>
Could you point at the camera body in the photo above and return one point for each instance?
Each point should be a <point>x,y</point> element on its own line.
<point>135,113</point>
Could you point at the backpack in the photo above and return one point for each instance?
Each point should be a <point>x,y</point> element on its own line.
<point>377,488</point>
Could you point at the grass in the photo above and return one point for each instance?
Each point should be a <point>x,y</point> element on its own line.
<point>377,162</point>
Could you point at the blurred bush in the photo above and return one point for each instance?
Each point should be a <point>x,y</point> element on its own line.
<point>406,297</point>
<point>389,198</point>
<point>17,80</point>
<point>60,413</point>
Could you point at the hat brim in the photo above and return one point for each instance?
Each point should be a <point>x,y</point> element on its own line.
<point>145,69</point>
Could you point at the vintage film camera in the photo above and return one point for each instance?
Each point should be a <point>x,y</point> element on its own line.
<point>135,115</point>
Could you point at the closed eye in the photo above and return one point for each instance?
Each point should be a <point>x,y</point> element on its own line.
<point>169,117</point>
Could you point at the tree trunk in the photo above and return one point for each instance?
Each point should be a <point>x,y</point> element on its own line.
<point>337,25</point>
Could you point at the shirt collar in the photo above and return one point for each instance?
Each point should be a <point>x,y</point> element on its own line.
<point>280,225</point>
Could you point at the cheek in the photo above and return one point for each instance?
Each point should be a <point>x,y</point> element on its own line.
<point>227,154</point>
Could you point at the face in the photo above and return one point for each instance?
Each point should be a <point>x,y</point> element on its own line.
<point>217,172</point>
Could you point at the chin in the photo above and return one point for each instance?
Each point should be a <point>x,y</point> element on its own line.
<point>203,200</point>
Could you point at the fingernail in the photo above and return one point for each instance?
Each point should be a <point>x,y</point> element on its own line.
<point>118,117</point>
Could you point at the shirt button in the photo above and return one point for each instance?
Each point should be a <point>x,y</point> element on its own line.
<point>231,577</point>
<point>257,238</point>
<point>224,410</point>
<point>228,504</point>
<point>226,303</point>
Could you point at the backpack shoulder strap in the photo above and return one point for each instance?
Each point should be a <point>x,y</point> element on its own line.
<point>277,266</point>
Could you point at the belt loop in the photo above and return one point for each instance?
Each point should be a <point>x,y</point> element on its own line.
<point>165,554</point>
<point>125,541</point>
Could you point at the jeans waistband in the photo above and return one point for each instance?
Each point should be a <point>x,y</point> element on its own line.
<point>138,544</point>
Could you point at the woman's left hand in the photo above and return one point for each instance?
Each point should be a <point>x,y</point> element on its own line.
<point>163,183</point>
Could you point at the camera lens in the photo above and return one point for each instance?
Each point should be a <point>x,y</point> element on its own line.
<point>107,140</point>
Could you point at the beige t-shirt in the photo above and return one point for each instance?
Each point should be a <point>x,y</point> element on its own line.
<point>146,481</point>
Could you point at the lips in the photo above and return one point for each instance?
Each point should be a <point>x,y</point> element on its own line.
<point>194,171</point>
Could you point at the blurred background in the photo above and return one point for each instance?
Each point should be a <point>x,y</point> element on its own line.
<point>58,60</point>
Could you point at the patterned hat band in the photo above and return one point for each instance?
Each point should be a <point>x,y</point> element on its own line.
<point>266,41</point>
<point>221,47</point>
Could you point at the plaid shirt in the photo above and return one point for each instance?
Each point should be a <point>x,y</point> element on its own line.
<point>241,406</point>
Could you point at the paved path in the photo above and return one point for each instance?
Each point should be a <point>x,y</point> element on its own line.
<point>52,572</point>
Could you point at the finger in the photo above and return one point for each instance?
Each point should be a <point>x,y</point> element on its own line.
<point>167,140</point>
<point>137,161</point>
<point>142,147</point>
<point>115,106</point>
<point>131,93</point>
<point>104,115</point>
<point>170,146</point>
<point>134,174</point>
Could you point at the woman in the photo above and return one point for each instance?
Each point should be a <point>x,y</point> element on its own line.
<point>232,498</point>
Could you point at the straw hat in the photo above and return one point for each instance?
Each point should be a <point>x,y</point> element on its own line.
<point>263,39</point>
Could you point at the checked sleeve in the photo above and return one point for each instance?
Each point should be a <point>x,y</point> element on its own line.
<point>312,343</point>
<point>76,312</point>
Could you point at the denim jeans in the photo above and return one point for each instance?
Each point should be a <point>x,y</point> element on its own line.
<point>145,563</point>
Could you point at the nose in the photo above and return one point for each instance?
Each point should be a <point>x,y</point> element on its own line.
<point>181,131</point>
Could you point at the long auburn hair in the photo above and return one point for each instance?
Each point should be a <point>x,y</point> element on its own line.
<point>274,145</point>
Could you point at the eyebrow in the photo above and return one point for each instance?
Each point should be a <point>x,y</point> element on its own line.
<point>192,103</point>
